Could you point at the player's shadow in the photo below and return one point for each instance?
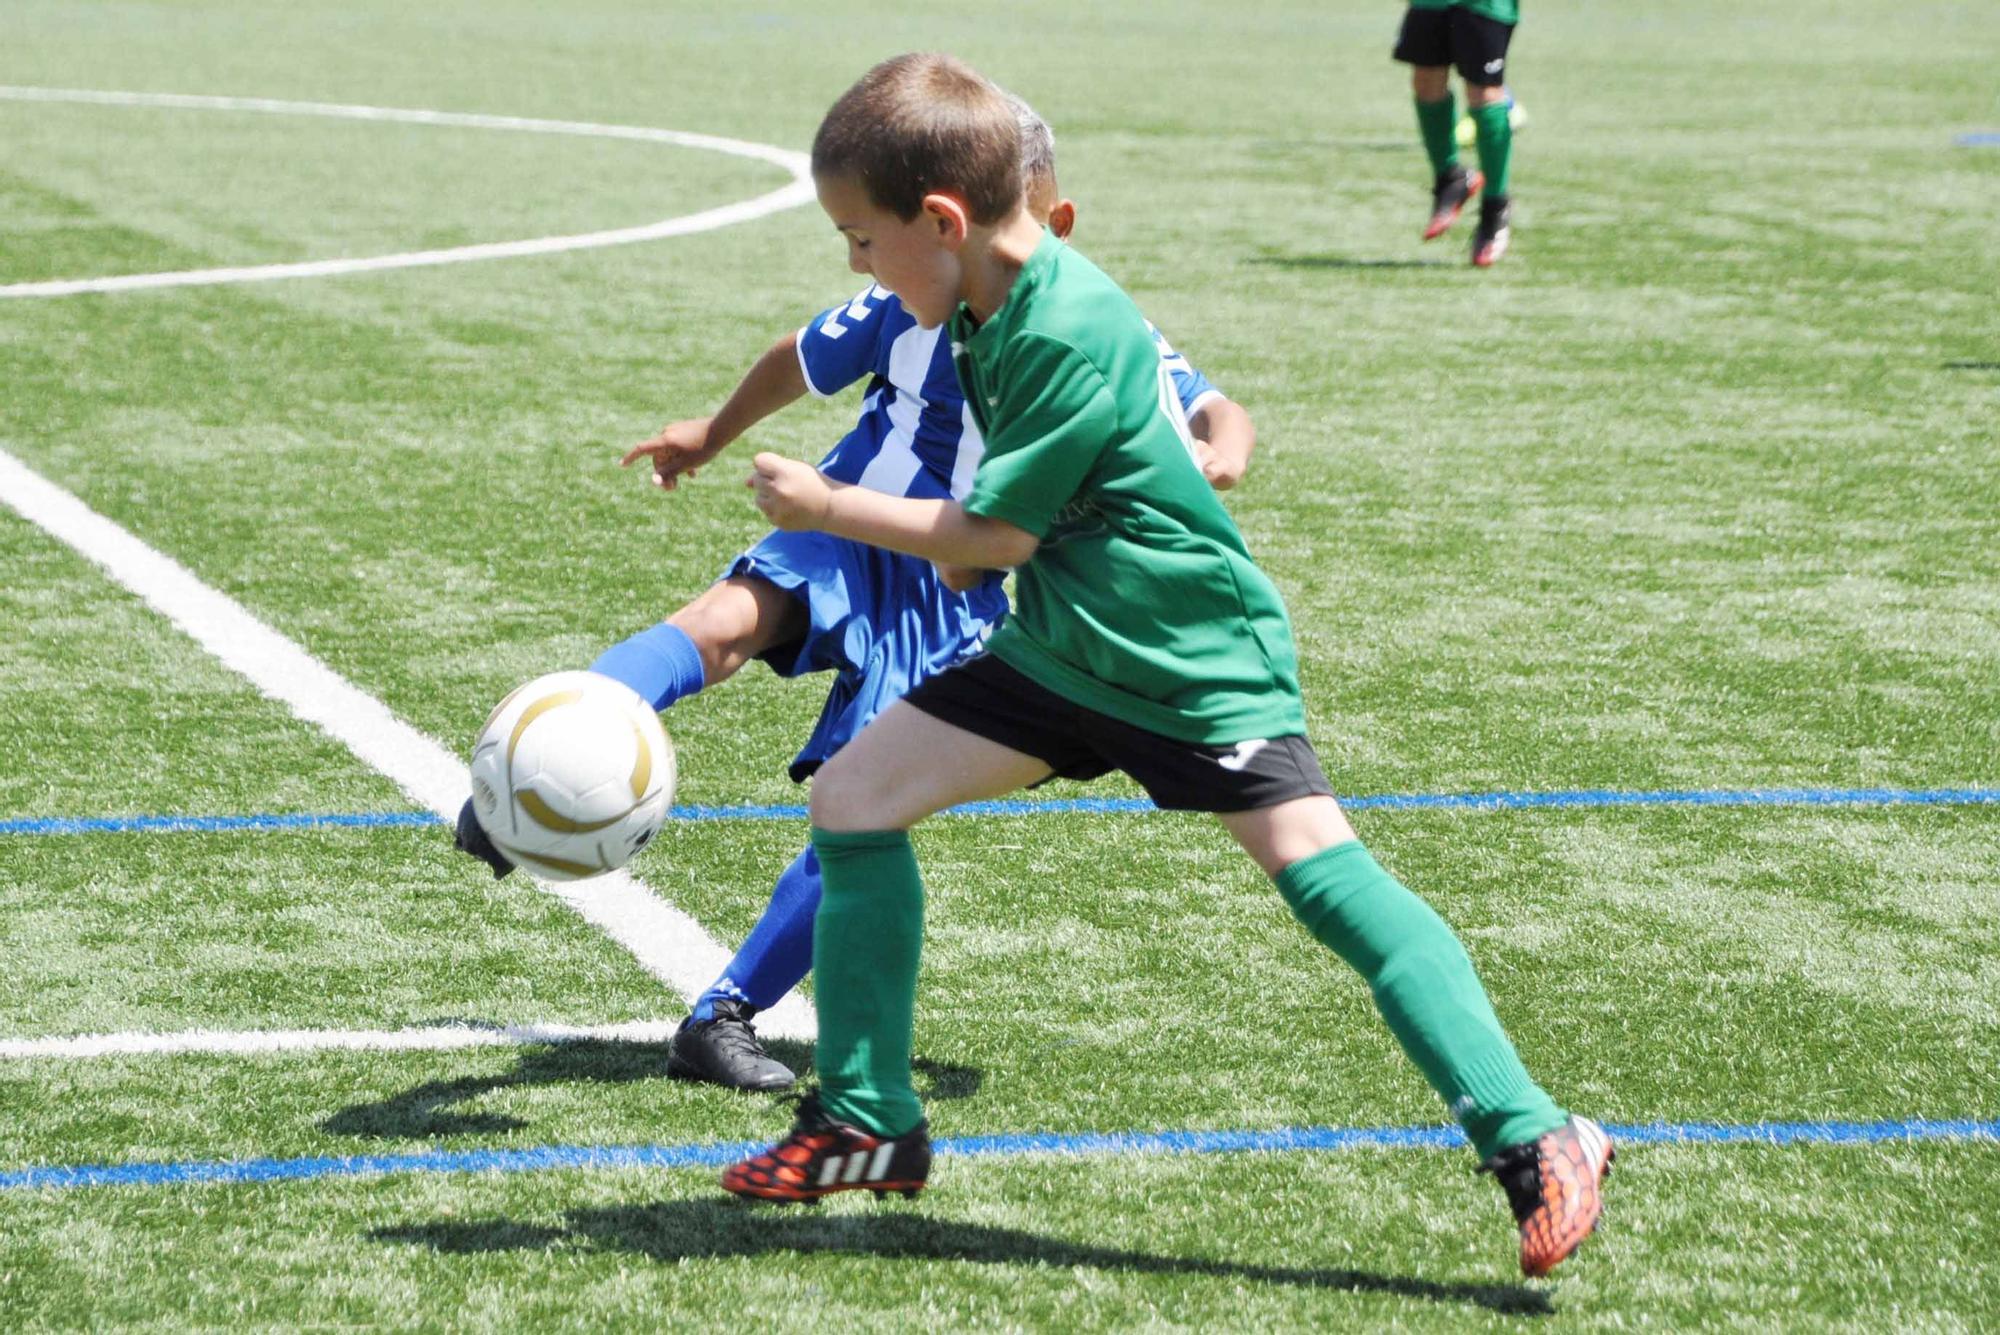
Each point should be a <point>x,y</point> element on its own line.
<point>1292,147</point>
<point>430,1110</point>
<point>1972,366</point>
<point>709,1229</point>
<point>1346,262</point>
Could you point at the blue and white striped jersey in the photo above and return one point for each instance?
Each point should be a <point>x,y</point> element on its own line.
<point>915,436</point>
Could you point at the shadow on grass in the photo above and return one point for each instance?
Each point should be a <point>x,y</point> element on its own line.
<point>1346,262</point>
<point>430,1109</point>
<point>671,1231</point>
<point>1972,366</point>
<point>1410,145</point>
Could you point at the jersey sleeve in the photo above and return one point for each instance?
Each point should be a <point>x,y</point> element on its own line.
<point>1191,385</point>
<point>1053,418</point>
<point>839,346</point>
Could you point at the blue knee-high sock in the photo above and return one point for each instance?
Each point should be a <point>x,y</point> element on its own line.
<point>660,663</point>
<point>778,953</point>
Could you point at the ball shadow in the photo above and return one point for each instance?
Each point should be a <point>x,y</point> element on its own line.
<point>1307,262</point>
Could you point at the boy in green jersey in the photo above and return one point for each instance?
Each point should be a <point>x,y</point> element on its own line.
<point>1473,35</point>
<point>1143,639</point>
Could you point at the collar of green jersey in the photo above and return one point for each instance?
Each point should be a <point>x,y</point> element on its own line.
<point>971,334</point>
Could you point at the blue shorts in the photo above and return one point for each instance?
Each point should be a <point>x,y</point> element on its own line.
<point>879,620</point>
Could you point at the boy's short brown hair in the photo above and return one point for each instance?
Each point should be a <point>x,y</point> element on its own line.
<point>923,123</point>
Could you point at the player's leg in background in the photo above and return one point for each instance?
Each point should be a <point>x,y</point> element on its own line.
<point>736,619</point>
<point>1489,109</point>
<point>717,1044</point>
<point>1424,44</point>
<point>705,642</point>
<point>1517,120</point>
<point>1427,991</point>
<point>1495,133</point>
<point>1480,51</point>
<point>1437,116</point>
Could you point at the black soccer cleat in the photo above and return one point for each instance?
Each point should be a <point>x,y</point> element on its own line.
<point>822,1156</point>
<point>1489,242</point>
<point>470,837</point>
<point>725,1051</point>
<point>1455,185</point>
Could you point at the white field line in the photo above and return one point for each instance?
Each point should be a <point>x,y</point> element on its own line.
<point>799,191</point>
<point>423,1038</point>
<point>667,942</point>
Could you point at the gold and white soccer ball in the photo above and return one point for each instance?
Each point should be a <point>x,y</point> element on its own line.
<point>572,775</point>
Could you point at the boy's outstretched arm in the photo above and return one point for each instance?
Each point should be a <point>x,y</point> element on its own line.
<point>682,447</point>
<point>796,495</point>
<point>1224,435</point>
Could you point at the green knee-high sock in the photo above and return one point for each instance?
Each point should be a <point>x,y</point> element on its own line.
<point>1425,988</point>
<point>1496,146</point>
<point>1439,123</point>
<point>866,941</point>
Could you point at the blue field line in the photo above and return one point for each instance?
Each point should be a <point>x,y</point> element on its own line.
<point>1316,1138</point>
<point>1980,139</point>
<point>1564,799</point>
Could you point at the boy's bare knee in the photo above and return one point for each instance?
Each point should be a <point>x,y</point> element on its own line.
<point>1430,82</point>
<point>736,619</point>
<point>842,800</point>
<point>1479,95</point>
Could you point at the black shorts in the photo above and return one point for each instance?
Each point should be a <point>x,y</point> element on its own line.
<point>1456,36</point>
<point>989,698</point>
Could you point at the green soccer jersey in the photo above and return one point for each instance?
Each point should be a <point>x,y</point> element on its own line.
<point>1141,602</point>
<point>1502,11</point>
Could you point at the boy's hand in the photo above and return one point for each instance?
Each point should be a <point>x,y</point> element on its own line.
<point>791,494</point>
<point>679,449</point>
<point>1223,435</point>
<point>1223,471</point>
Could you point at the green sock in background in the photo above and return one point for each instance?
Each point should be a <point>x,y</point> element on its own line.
<point>1426,989</point>
<point>1496,145</point>
<point>1439,123</point>
<point>867,938</point>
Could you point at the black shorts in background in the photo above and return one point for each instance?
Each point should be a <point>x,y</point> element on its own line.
<point>1456,36</point>
<point>991,699</point>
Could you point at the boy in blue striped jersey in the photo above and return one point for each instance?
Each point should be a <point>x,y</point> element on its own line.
<point>805,602</point>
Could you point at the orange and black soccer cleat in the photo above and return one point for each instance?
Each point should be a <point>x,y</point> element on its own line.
<point>1455,185</point>
<point>1553,1185</point>
<point>822,1156</point>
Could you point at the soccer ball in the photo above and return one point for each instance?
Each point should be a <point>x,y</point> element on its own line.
<point>572,775</point>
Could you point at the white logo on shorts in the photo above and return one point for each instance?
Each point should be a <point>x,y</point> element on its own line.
<point>1245,752</point>
<point>1494,66</point>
